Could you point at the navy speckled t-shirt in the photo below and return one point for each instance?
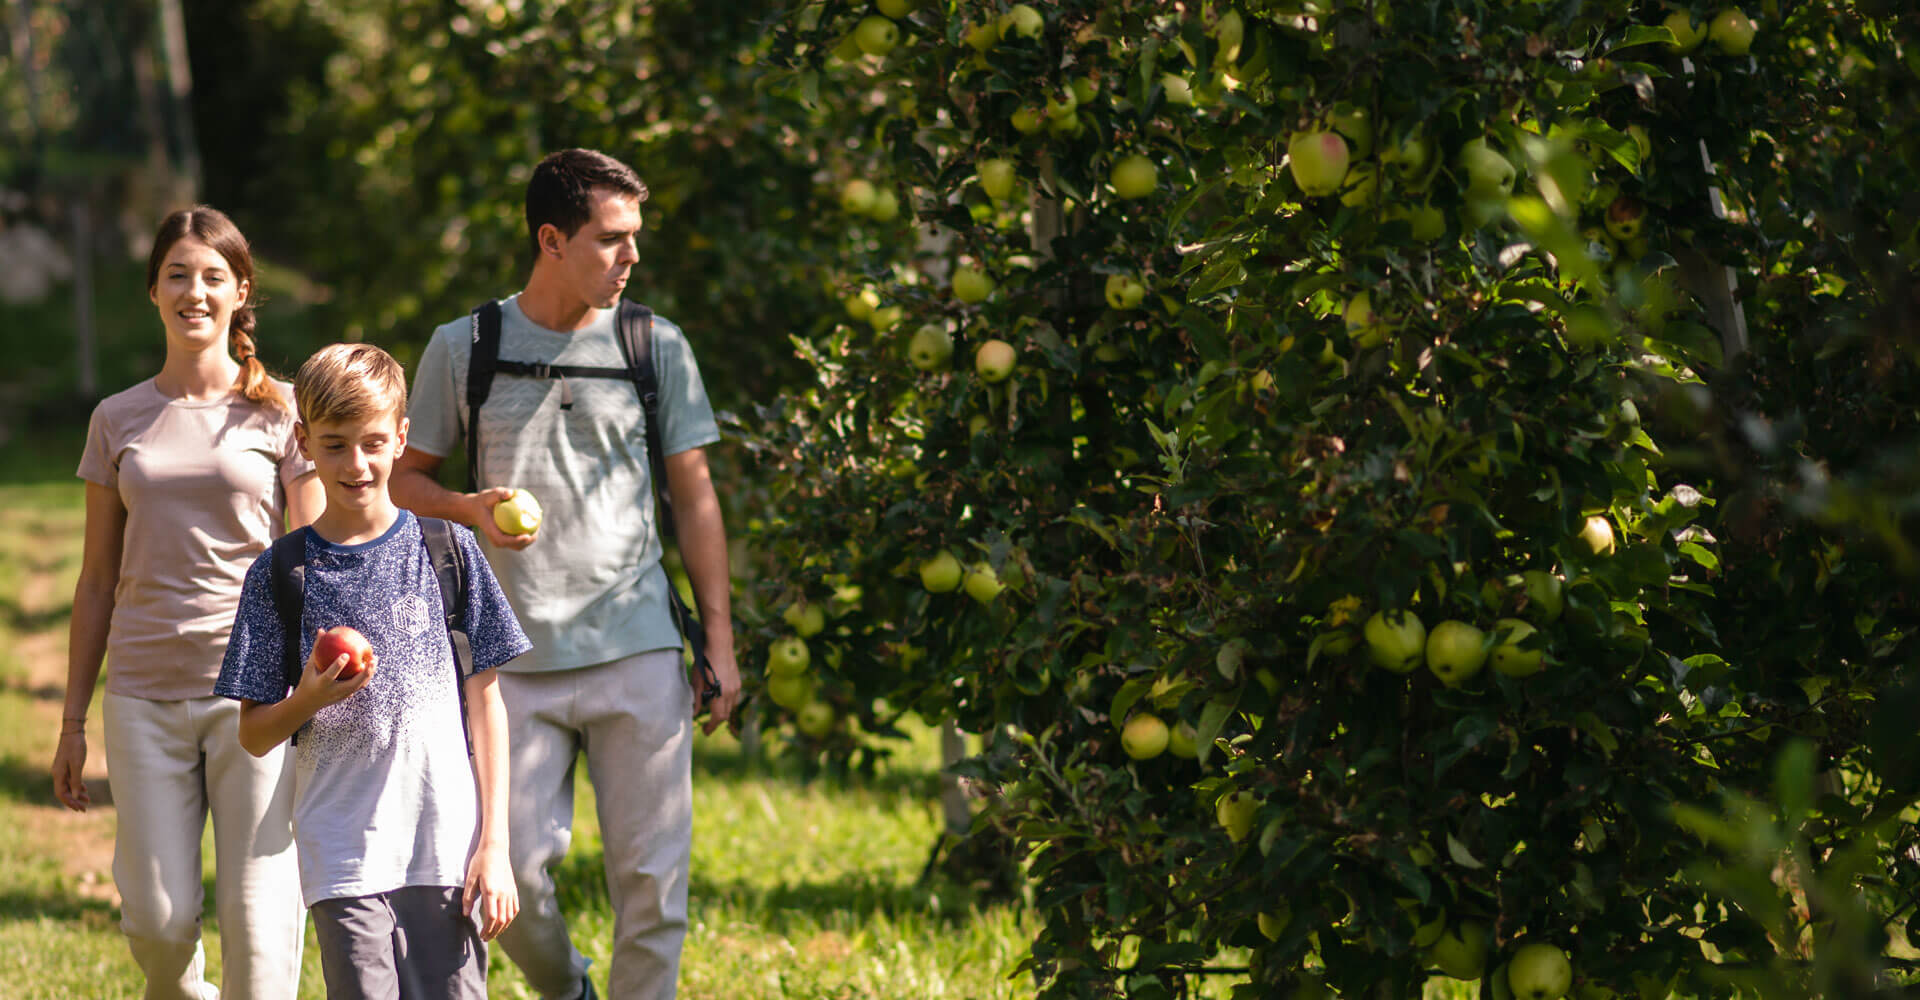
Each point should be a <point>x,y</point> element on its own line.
<point>383,792</point>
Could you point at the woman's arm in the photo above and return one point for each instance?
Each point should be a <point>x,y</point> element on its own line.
<point>489,872</point>
<point>306,498</point>
<point>87,637</point>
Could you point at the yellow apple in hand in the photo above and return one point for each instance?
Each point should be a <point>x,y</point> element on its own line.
<point>518,514</point>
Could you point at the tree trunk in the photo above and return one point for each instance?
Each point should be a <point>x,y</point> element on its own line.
<point>81,216</point>
<point>186,146</point>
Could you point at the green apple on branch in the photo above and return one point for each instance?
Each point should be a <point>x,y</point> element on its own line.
<point>1455,652</point>
<point>1144,737</point>
<point>1539,971</point>
<point>931,347</point>
<point>876,35</point>
<point>1318,160</point>
<point>993,360</point>
<point>941,573</point>
<point>1134,176</point>
<point>1396,640</point>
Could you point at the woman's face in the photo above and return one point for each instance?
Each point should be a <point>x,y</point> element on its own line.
<point>196,292</point>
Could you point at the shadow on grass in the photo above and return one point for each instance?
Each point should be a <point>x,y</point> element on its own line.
<point>13,616</point>
<point>31,783</point>
<point>798,906</point>
<point>22,905</point>
<point>17,685</point>
<point>727,761</point>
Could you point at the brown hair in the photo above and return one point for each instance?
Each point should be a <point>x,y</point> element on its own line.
<point>349,382</point>
<point>560,193</point>
<point>211,226</point>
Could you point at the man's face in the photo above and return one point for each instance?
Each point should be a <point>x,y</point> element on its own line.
<point>596,259</point>
<point>354,457</point>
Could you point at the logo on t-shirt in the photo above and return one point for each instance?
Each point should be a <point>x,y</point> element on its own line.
<point>411,615</point>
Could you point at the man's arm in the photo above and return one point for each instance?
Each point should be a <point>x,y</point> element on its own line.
<point>703,547</point>
<point>414,487</point>
<point>490,895</point>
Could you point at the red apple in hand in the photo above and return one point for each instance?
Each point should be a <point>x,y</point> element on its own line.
<point>343,640</point>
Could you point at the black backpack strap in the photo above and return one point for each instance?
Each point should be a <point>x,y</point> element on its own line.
<point>290,601</point>
<point>636,344</point>
<point>450,568</point>
<point>482,362</point>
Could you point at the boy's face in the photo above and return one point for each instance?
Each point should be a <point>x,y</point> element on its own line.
<point>354,458</point>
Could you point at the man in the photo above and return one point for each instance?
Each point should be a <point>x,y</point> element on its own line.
<point>605,673</point>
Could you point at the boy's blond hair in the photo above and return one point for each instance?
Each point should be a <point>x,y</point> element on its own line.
<point>349,382</point>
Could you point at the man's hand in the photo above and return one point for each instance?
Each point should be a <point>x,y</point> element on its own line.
<point>481,519</point>
<point>722,706</point>
<point>491,900</point>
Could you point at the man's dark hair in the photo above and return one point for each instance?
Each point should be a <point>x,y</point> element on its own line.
<point>560,193</point>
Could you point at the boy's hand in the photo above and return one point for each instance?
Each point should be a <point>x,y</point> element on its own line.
<point>491,899</point>
<point>484,502</point>
<point>321,683</point>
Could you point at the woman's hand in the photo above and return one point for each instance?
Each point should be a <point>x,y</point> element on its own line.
<point>69,763</point>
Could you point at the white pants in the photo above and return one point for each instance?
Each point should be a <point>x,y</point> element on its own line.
<point>171,763</point>
<point>634,719</point>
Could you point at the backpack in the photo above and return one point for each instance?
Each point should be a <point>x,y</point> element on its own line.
<point>449,566</point>
<point>635,325</point>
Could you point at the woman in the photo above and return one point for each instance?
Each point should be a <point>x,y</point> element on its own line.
<point>190,475</point>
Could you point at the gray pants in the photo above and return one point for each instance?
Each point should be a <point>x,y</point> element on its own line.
<point>173,764</point>
<point>633,717</point>
<point>413,943</point>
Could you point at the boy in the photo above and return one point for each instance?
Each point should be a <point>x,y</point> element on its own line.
<point>402,839</point>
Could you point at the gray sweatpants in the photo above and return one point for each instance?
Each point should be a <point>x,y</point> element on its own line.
<point>633,717</point>
<point>413,943</point>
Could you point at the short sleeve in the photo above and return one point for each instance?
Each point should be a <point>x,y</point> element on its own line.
<point>433,416</point>
<point>493,630</point>
<point>253,668</point>
<point>98,463</point>
<point>686,417</point>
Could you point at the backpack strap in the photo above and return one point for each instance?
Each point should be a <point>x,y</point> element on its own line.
<point>450,568</point>
<point>290,601</point>
<point>482,361</point>
<point>636,344</point>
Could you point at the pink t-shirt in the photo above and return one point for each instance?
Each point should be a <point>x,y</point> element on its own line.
<point>205,487</point>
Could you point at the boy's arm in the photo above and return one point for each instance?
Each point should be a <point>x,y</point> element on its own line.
<point>490,882</point>
<point>264,726</point>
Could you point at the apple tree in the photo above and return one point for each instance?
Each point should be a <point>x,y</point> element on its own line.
<point>1325,450</point>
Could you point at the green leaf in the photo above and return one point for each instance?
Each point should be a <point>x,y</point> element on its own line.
<point>1213,719</point>
<point>1460,855</point>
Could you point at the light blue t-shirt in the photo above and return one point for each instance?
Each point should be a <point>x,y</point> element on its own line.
<point>590,589</point>
<point>384,793</point>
